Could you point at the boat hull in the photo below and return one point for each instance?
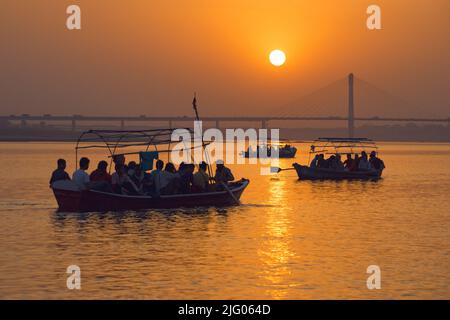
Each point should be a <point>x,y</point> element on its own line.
<point>70,200</point>
<point>307,173</point>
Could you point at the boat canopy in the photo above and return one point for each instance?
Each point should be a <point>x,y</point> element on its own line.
<point>342,145</point>
<point>117,141</point>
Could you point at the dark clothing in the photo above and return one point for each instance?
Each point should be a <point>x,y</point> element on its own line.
<point>322,163</point>
<point>223,175</point>
<point>377,163</point>
<point>186,179</point>
<point>98,175</point>
<point>59,174</point>
<point>349,163</point>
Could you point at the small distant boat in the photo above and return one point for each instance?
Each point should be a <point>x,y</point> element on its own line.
<point>338,146</point>
<point>267,150</point>
<point>71,199</point>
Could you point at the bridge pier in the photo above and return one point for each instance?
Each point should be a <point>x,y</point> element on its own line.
<point>74,125</point>
<point>170,124</point>
<point>23,123</point>
<point>351,108</point>
<point>264,124</point>
<point>217,124</point>
<point>122,124</point>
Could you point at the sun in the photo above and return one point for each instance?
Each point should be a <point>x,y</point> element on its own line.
<point>277,58</point>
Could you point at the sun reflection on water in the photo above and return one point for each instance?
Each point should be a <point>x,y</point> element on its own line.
<point>275,251</point>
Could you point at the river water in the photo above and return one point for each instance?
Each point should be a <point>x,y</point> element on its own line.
<point>289,240</point>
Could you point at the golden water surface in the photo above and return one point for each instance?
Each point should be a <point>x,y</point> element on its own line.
<point>289,240</point>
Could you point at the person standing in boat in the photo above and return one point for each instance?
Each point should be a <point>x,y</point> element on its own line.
<point>223,174</point>
<point>375,162</point>
<point>80,177</point>
<point>60,172</point>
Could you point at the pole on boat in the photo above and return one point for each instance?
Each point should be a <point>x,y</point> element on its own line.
<point>277,169</point>
<point>351,107</point>
<point>197,117</point>
<point>231,193</point>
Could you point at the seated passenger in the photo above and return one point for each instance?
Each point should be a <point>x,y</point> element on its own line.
<point>201,178</point>
<point>332,163</point>
<point>321,162</point>
<point>364,163</point>
<point>223,174</point>
<point>131,168</point>
<point>80,177</point>
<point>348,162</point>
<point>157,180</point>
<point>101,174</point>
<point>314,161</point>
<point>137,177</point>
<point>355,164</point>
<point>186,172</point>
<point>119,159</point>
<point>376,162</point>
<point>121,182</point>
<point>60,172</point>
<point>169,179</point>
<point>339,164</point>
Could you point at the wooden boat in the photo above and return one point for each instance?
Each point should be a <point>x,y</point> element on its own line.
<point>333,146</point>
<point>265,151</point>
<point>71,199</point>
<point>307,173</point>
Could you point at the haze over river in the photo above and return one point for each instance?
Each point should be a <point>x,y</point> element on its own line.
<point>290,240</point>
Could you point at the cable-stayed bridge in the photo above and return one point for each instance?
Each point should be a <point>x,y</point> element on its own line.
<point>347,94</point>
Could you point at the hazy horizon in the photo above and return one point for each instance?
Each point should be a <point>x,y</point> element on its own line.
<point>139,57</point>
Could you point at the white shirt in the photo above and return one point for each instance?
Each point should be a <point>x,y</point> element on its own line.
<point>81,178</point>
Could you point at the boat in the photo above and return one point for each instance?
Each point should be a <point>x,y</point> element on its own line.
<point>71,199</point>
<point>267,150</point>
<point>338,146</point>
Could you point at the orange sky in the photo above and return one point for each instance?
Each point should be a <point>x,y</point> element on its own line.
<point>148,57</point>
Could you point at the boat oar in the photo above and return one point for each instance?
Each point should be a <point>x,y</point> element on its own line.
<point>276,169</point>
<point>231,193</point>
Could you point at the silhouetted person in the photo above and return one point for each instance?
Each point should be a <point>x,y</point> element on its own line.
<point>321,162</point>
<point>101,174</point>
<point>313,163</point>
<point>355,164</point>
<point>156,178</point>
<point>339,163</point>
<point>186,172</point>
<point>349,161</point>
<point>60,172</point>
<point>201,178</point>
<point>376,162</point>
<point>223,174</point>
<point>121,182</point>
<point>364,163</point>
